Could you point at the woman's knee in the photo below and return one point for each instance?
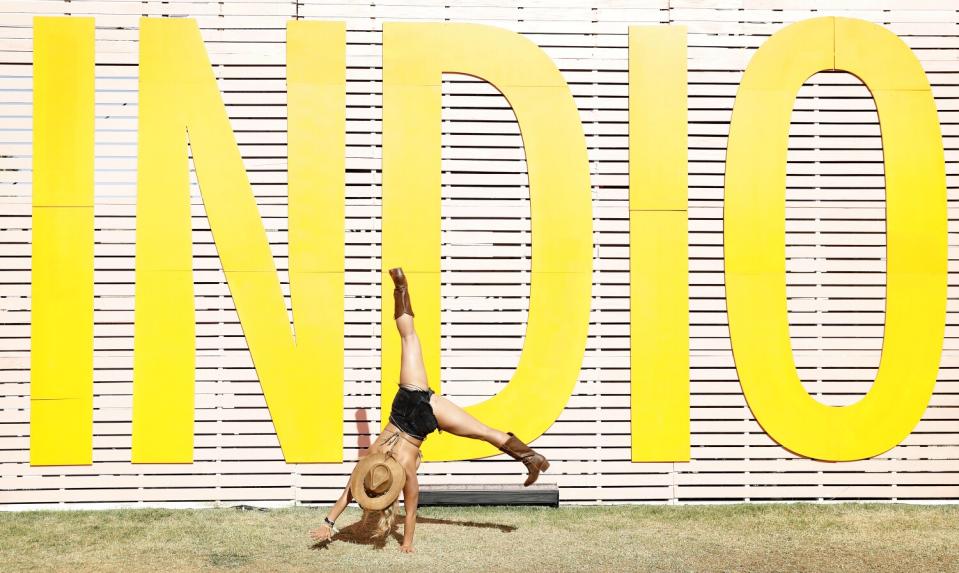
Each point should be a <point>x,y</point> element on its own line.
<point>479,433</point>
<point>409,337</point>
<point>405,326</point>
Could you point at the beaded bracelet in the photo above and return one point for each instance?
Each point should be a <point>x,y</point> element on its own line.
<point>332,525</point>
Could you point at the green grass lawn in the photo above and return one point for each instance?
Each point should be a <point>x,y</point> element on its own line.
<point>742,537</point>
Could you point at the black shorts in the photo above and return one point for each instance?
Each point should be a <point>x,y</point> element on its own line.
<point>412,413</point>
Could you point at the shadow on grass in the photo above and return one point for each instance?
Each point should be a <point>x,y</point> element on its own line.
<point>361,532</point>
<point>434,520</point>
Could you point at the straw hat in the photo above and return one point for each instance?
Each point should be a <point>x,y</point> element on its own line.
<point>376,481</point>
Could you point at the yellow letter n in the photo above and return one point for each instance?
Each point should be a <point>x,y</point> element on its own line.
<point>301,377</point>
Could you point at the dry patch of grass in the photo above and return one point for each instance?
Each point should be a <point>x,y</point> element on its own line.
<point>744,537</point>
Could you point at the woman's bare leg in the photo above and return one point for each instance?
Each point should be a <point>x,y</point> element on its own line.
<point>450,417</point>
<point>412,370</point>
<point>455,420</point>
<point>458,421</point>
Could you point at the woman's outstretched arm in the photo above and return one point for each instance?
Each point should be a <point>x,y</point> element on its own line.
<point>411,498</point>
<point>324,532</point>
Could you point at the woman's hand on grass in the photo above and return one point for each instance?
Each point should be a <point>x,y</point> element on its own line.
<point>406,548</point>
<point>322,533</point>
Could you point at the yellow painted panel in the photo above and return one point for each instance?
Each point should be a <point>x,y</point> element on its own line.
<point>316,87</point>
<point>164,337</point>
<point>915,233</point>
<point>61,316</point>
<point>62,444</point>
<point>317,178</point>
<point>61,329</point>
<point>914,171</point>
<point>63,64</point>
<point>411,179</point>
<point>511,59</point>
<point>791,55</point>
<point>318,308</point>
<point>751,170</point>
<point>549,132</point>
<point>871,51</point>
<point>658,117</point>
<point>659,334</point>
<point>61,345</point>
<point>415,57</point>
<point>179,96</point>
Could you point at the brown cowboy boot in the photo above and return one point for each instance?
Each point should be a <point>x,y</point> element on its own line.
<point>533,461</point>
<point>401,294</point>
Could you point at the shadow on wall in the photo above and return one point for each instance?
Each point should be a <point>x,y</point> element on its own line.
<point>362,430</point>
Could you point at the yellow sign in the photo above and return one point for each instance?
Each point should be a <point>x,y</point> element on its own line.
<point>754,239</point>
<point>302,376</point>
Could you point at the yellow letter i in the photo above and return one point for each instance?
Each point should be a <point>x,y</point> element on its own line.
<point>61,329</point>
<point>658,263</point>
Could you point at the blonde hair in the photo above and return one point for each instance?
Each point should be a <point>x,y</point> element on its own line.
<point>385,521</point>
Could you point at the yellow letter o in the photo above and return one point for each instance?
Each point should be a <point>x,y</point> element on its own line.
<point>754,229</point>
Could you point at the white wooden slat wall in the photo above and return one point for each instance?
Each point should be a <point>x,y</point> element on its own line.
<point>835,255</point>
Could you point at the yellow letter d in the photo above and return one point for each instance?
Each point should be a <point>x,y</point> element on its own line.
<point>414,59</point>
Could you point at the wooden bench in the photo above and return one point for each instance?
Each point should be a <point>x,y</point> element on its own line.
<point>489,494</point>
